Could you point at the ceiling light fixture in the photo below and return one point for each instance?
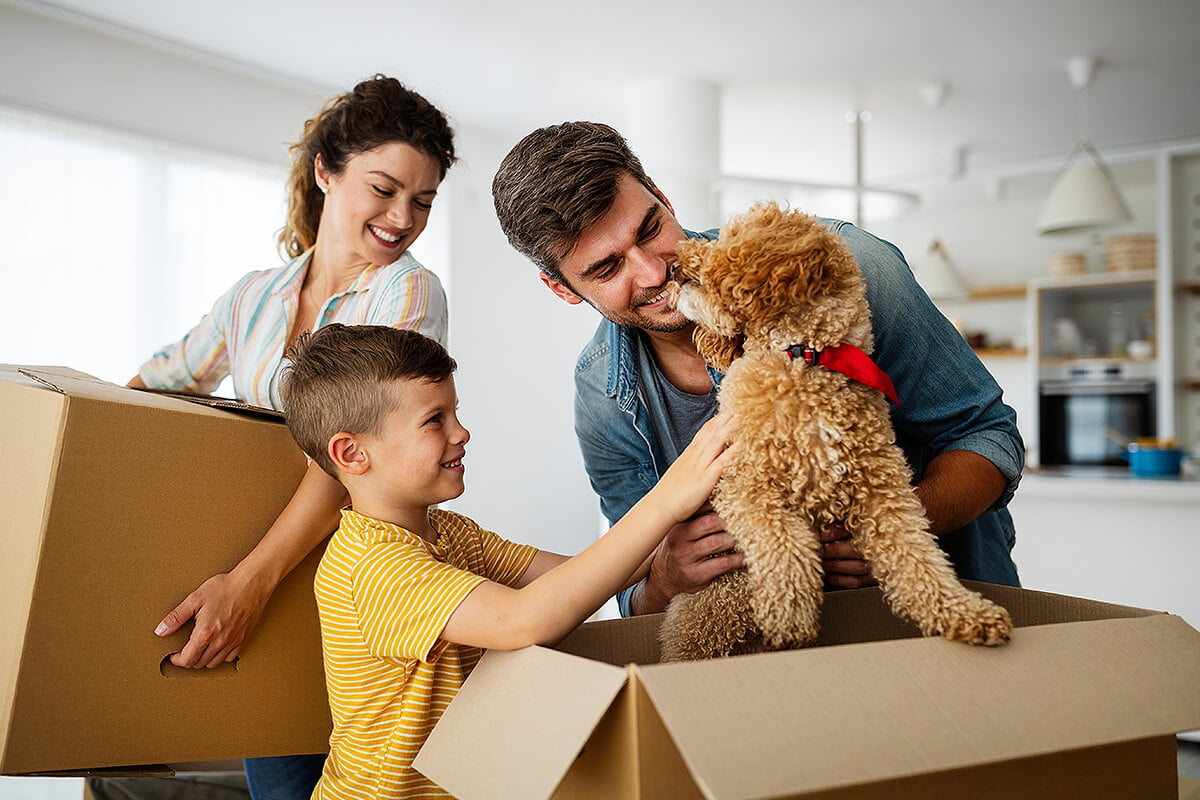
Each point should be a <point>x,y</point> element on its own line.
<point>1085,195</point>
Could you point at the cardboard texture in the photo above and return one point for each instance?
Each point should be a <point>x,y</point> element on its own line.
<point>1084,702</point>
<point>116,504</point>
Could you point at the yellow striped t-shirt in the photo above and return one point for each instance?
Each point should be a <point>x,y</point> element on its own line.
<point>384,595</point>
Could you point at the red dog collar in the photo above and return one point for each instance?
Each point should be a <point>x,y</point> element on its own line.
<point>851,362</point>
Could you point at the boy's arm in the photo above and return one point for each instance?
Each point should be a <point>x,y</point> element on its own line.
<point>545,561</point>
<point>557,600</point>
<point>542,563</point>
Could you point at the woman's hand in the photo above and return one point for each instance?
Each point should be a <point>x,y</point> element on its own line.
<point>226,608</point>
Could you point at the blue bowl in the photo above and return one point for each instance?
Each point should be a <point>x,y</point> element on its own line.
<point>1154,462</point>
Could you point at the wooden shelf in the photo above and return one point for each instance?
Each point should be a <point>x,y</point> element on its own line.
<point>1190,287</point>
<point>1011,291</point>
<point>1001,352</point>
<point>1094,280</point>
<point>1192,384</point>
<point>1094,360</point>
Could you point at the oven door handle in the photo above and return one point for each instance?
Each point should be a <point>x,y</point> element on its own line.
<point>1068,388</point>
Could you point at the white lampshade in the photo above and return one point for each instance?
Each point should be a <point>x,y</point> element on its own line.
<point>938,276</point>
<point>1084,196</point>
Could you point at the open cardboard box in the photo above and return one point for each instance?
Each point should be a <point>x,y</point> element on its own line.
<point>1084,702</point>
<point>116,504</point>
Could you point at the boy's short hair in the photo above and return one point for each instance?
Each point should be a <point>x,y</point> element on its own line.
<point>556,183</point>
<point>338,380</point>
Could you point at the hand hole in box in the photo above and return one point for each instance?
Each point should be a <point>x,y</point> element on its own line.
<point>228,669</point>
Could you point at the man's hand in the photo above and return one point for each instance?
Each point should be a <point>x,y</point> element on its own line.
<point>845,567</point>
<point>692,554</point>
<point>226,609</point>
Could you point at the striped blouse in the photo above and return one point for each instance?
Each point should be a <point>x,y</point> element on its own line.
<point>246,331</point>
<point>384,595</point>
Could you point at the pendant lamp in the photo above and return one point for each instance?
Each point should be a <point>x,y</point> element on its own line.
<point>1085,196</point>
<point>938,276</point>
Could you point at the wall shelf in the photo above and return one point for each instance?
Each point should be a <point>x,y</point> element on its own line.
<point>1098,280</point>
<point>1001,352</point>
<point>1010,292</point>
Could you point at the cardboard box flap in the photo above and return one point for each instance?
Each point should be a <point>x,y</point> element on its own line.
<point>223,403</point>
<point>760,726</point>
<point>43,376</point>
<point>1029,607</point>
<point>518,723</point>
<point>63,380</point>
<point>73,383</point>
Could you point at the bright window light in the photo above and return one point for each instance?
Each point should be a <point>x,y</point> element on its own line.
<point>115,246</point>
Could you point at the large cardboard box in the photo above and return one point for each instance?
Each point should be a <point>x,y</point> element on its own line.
<point>1084,702</point>
<point>116,504</point>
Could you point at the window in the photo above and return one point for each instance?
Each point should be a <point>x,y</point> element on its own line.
<point>115,246</point>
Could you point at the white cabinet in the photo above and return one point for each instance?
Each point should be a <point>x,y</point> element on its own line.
<point>1183,258</point>
<point>1122,540</point>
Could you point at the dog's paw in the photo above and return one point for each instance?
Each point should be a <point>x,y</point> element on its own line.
<point>986,624</point>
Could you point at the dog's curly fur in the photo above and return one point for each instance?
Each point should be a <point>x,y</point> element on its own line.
<point>815,448</point>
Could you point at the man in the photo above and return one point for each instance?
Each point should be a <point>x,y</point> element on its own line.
<point>574,199</point>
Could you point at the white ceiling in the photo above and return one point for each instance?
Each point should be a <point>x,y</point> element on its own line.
<point>796,65</point>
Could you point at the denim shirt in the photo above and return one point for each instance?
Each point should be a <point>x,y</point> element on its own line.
<point>949,401</point>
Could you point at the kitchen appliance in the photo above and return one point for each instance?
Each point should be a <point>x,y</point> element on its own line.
<point>1090,410</point>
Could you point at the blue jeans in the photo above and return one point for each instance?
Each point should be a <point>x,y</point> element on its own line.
<point>283,777</point>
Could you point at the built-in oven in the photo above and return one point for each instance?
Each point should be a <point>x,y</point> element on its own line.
<point>1088,411</point>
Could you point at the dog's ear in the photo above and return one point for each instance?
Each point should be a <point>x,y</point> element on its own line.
<point>690,255</point>
<point>719,351</point>
<point>781,260</point>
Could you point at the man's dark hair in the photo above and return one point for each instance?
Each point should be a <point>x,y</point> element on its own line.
<point>556,183</point>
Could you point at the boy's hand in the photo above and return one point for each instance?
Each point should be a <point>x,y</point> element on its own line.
<point>689,481</point>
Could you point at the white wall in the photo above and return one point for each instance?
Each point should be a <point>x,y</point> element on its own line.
<point>515,344</point>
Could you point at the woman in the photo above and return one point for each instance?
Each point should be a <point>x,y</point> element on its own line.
<point>364,177</point>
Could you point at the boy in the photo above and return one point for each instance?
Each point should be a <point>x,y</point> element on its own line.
<point>409,595</point>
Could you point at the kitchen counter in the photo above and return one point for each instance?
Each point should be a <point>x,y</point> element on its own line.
<point>1106,535</point>
<point>1107,483</point>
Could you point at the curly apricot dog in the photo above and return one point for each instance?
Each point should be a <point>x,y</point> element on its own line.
<point>779,300</point>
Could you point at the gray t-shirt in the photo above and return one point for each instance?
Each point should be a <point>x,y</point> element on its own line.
<point>683,413</point>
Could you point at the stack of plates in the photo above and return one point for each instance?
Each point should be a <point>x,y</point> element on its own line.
<point>1064,264</point>
<point>1131,252</point>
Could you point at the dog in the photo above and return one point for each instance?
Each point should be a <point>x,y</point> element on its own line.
<point>778,300</point>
